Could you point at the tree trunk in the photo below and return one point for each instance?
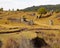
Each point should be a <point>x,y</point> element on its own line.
<point>40,16</point>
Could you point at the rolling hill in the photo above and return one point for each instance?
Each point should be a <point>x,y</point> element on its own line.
<point>48,7</point>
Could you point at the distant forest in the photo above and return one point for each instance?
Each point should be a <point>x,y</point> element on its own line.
<point>48,7</point>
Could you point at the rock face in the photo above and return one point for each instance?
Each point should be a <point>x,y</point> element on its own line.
<point>38,42</point>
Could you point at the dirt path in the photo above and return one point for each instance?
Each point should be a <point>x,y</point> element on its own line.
<point>25,29</point>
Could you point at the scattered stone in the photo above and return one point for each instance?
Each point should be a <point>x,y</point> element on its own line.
<point>51,22</point>
<point>33,14</point>
<point>31,22</point>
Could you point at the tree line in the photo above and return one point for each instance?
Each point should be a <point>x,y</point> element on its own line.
<point>48,7</point>
<point>56,8</point>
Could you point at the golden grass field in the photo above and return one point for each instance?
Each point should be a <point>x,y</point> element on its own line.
<point>51,35</point>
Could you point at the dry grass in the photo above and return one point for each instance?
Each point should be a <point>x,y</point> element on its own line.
<point>18,43</point>
<point>52,37</point>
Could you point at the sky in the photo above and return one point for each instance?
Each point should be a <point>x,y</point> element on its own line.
<point>21,4</point>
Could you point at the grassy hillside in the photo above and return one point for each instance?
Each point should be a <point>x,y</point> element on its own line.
<point>12,21</point>
<point>48,7</point>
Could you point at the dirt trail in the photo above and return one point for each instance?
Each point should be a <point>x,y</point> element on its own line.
<point>25,29</point>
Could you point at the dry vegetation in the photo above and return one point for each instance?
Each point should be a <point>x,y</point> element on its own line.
<point>24,25</point>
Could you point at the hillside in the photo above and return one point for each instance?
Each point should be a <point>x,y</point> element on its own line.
<point>19,27</point>
<point>48,7</point>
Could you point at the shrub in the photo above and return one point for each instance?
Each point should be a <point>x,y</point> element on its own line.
<point>1,9</point>
<point>57,11</point>
<point>41,11</point>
